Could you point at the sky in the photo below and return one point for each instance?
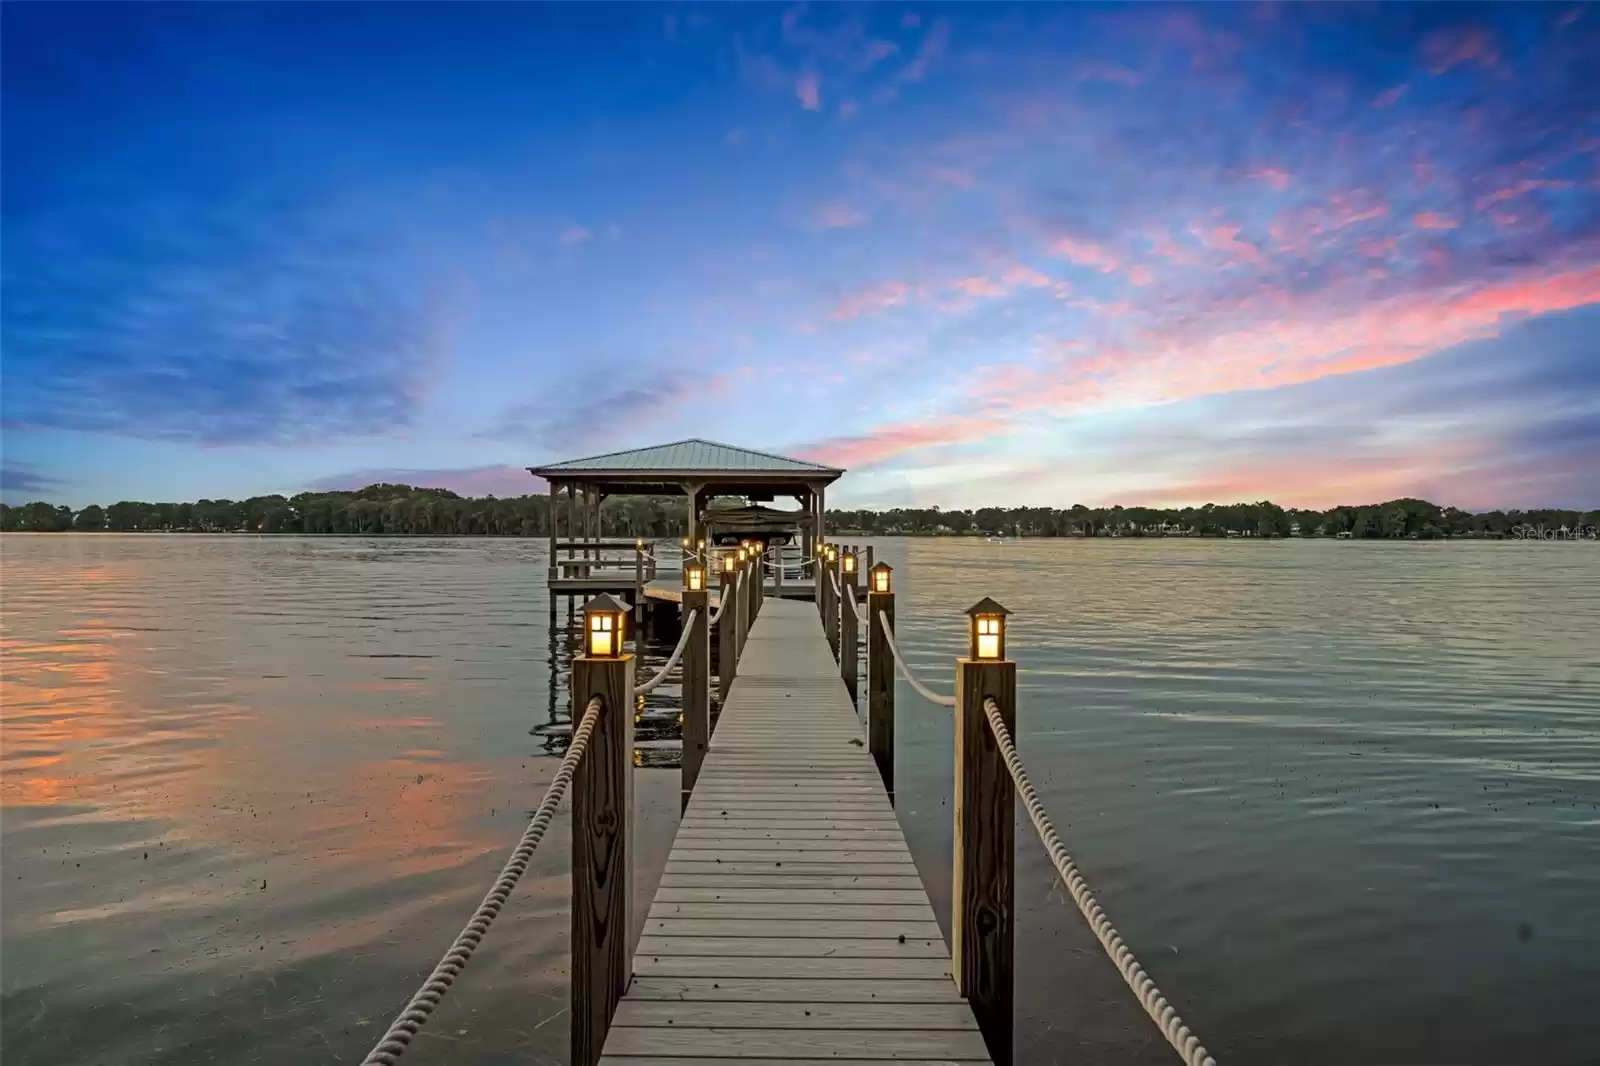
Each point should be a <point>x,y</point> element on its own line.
<point>979,255</point>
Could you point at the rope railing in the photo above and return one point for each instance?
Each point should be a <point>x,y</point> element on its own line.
<point>1185,1043</point>
<point>833,579</point>
<point>672,660</point>
<point>410,1021</point>
<point>905,671</point>
<point>722,605</point>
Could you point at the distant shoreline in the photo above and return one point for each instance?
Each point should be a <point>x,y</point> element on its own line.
<point>406,510</point>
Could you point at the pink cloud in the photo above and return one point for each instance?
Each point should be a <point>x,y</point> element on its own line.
<point>1084,253</point>
<point>808,90</point>
<point>961,179</point>
<point>1521,188</point>
<point>979,286</point>
<point>1389,97</point>
<point>837,216</point>
<point>1140,275</point>
<point>895,439</point>
<point>1274,177</point>
<point>1434,220</point>
<point>1162,244</point>
<point>573,235</point>
<point>1446,49</point>
<point>1296,230</point>
<point>1379,249</point>
<point>872,299</point>
<point>1226,239</point>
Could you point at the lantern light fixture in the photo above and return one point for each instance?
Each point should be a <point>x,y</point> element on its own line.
<point>988,630</point>
<point>880,577</point>
<point>849,562</point>
<point>603,626</point>
<point>694,578</point>
<point>728,561</point>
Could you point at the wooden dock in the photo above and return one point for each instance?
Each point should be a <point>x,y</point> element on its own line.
<point>790,924</point>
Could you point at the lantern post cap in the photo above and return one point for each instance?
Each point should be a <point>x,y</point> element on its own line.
<point>880,566</point>
<point>985,606</point>
<point>605,602</point>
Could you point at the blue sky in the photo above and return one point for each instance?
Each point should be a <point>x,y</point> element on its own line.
<point>978,254</point>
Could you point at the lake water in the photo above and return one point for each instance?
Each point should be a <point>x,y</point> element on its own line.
<point>1342,798</point>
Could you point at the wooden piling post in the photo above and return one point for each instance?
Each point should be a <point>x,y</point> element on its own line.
<point>818,581</point>
<point>602,874</point>
<point>696,685</point>
<point>727,637</point>
<point>850,630</point>
<point>982,910</point>
<point>880,674</point>
<point>830,602</point>
<point>777,571</point>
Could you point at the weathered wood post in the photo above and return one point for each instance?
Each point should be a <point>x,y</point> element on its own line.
<point>696,677</point>
<point>777,571</point>
<point>880,674</point>
<point>817,579</point>
<point>727,631</point>
<point>638,592</point>
<point>758,579</point>
<point>602,828</point>
<point>982,914</point>
<point>745,605</point>
<point>830,602</point>
<point>850,627</point>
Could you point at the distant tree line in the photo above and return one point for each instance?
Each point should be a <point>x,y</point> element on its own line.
<point>408,511</point>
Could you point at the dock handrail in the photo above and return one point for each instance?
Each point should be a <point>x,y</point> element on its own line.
<point>405,1027</point>
<point>1165,1016</point>
<point>905,671</point>
<point>672,660</point>
<point>1184,1042</point>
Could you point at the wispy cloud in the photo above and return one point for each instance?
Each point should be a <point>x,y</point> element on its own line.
<point>1085,253</point>
<point>573,236</point>
<point>1434,220</point>
<point>838,216</point>
<point>808,90</point>
<point>598,406</point>
<point>1446,49</point>
<point>17,478</point>
<point>874,298</point>
<point>230,328</point>
<point>1278,179</point>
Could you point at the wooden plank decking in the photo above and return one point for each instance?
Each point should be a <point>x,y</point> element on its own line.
<point>790,925</point>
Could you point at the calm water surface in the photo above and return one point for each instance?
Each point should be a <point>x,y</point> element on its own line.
<point>1343,798</point>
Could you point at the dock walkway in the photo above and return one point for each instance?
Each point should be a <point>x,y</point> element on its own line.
<point>790,924</point>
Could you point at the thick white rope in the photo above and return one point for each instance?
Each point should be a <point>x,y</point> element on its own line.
<point>723,599</point>
<point>833,579</point>
<point>1185,1043</point>
<point>905,671</point>
<point>388,1050</point>
<point>677,653</point>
